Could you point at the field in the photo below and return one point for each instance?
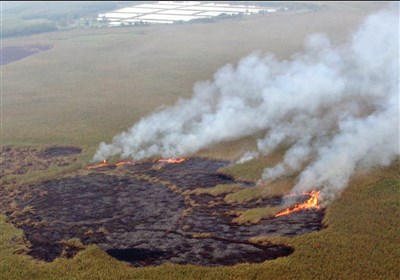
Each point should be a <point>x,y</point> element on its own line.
<point>170,13</point>
<point>92,84</point>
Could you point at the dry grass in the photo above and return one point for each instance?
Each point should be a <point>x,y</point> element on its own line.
<point>94,84</point>
<point>218,190</point>
<point>277,188</point>
<point>360,242</point>
<point>253,216</point>
<point>252,170</point>
<point>12,181</point>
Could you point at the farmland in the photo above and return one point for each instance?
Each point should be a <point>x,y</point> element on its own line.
<point>173,12</point>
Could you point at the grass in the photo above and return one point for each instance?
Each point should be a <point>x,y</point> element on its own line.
<point>17,27</point>
<point>252,170</point>
<point>218,189</point>
<point>360,242</point>
<point>277,188</point>
<point>87,88</point>
<point>94,83</point>
<point>253,216</point>
<point>13,181</point>
<point>25,18</point>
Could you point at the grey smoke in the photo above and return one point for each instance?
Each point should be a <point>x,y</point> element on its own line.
<point>337,107</point>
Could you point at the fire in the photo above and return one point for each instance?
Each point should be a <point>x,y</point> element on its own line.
<point>311,203</point>
<point>172,160</point>
<point>105,163</point>
<point>124,163</point>
<point>102,164</point>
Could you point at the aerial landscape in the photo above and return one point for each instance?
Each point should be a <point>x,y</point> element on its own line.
<point>199,140</point>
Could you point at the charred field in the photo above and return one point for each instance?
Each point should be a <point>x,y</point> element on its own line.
<point>175,219</point>
<point>147,213</point>
<point>200,219</point>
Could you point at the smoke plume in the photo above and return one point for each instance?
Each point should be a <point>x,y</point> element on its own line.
<point>337,107</point>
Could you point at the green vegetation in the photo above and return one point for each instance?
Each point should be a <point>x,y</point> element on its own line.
<point>27,18</point>
<point>55,11</point>
<point>17,27</point>
<point>290,5</point>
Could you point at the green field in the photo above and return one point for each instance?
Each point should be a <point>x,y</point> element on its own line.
<point>95,83</point>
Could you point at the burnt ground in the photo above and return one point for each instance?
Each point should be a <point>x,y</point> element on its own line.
<point>20,160</point>
<point>51,152</point>
<point>146,215</point>
<point>14,53</point>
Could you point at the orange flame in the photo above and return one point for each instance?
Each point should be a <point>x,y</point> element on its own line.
<point>124,163</point>
<point>103,163</point>
<point>311,203</point>
<point>172,160</point>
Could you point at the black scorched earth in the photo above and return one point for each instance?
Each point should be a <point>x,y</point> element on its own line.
<point>146,214</point>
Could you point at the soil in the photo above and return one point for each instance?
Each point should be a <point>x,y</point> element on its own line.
<point>14,53</point>
<point>145,214</point>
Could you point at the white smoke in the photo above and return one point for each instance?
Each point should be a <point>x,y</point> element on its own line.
<point>247,157</point>
<point>337,106</point>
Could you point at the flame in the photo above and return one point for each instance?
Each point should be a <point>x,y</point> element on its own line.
<point>124,163</point>
<point>311,203</point>
<point>172,160</point>
<point>103,163</point>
